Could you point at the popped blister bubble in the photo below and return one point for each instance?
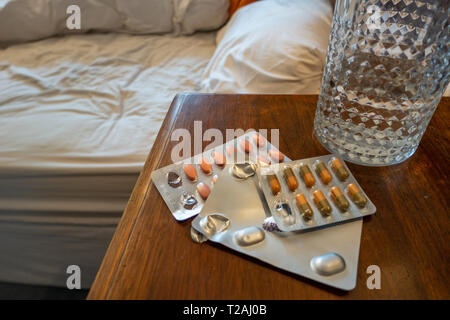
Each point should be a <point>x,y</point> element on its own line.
<point>197,236</point>
<point>284,213</point>
<point>188,201</point>
<point>174,180</point>
<point>214,223</point>
<point>244,170</point>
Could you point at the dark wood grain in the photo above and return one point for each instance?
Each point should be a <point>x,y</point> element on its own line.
<point>151,256</point>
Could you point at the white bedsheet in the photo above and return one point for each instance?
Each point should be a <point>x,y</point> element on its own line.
<point>78,116</point>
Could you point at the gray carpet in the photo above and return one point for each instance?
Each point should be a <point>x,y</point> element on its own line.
<point>12,291</point>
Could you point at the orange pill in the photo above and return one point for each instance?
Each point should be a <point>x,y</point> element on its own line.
<point>325,176</point>
<point>214,179</point>
<point>246,145</point>
<point>206,166</point>
<point>339,198</point>
<point>322,203</point>
<point>303,206</point>
<point>353,188</point>
<point>309,180</point>
<point>274,184</point>
<point>356,195</point>
<point>300,198</point>
<point>190,171</point>
<point>203,190</point>
<point>307,176</point>
<point>336,192</point>
<point>258,140</point>
<point>323,172</point>
<point>318,196</point>
<point>219,158</point>
<point>339,169</point>
<point>290,178</point>
<point>277,156</point>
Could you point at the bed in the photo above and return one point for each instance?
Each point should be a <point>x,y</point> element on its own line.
<point>78,116</point>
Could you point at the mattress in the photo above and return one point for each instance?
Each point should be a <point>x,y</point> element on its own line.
<point>78,116</point>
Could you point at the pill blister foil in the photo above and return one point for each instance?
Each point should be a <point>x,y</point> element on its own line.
<point>285,196</point>
<point>242,203</point>
<point>173,197</point>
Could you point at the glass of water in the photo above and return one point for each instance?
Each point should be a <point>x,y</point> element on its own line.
<point>386,70</point>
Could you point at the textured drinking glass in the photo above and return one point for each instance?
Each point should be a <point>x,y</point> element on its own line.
<point>386,70</point>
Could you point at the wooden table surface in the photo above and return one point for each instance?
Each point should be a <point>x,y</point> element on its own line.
<point>151,256</point>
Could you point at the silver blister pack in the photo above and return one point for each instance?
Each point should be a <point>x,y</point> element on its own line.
<point>286,195</point>
<point>182,195</point>
<point>235,214</point>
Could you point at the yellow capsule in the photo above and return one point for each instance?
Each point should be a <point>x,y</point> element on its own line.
<point>357,197</point>
<point>339,169</point>
<point>339,198</point>
<point>322,203</point>
<point>307,175</point>
<point>304,207</point>
<point>323,172</point>
<point>290,178</point>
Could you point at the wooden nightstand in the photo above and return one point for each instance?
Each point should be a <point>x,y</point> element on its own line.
<point>152,256</point>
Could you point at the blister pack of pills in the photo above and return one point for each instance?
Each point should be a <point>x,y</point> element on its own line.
<point>235,216</point>
<point>186,185</point>
<point>311,193</point>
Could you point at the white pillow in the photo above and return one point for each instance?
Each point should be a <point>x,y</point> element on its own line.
<point>199,15</point>
<point>25,20</point>
<point>271,47</point>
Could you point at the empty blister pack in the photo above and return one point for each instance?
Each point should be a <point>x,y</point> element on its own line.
<point>311,193</point>
<point>186,185</point>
